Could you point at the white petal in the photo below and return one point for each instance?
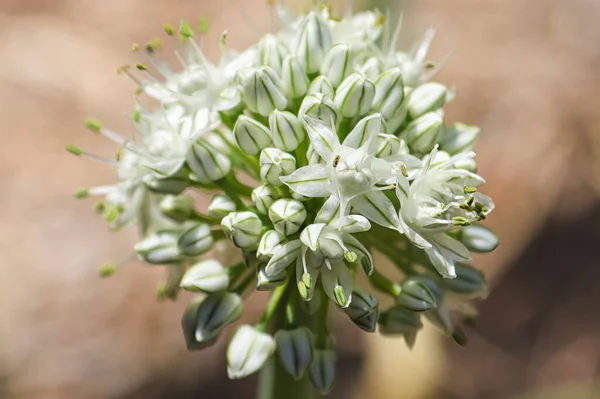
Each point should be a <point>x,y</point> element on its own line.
<point>310,181</point>
<point>329,211</point>
<point>377,208</point>
<point>310,235</point>
<point>283,257</point>
<point>364,256</point>
<point>451,248</point>
<point>322,136</point>
<point>413,236</point>
<point>352,224</point>
<point>333,280</point>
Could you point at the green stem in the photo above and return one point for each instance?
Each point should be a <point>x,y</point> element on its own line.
<point>249,164</point>
<point>205,219</point>
<point>231,190</point>
<point>384,284</point>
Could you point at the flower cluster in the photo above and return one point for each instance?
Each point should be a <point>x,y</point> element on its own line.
<point>323,144</point>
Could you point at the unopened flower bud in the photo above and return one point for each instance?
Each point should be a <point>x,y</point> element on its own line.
<point>274,164</point>
<point>321,85</point>
<point>263,91</point>
<point>336,64</point>
<point>286,130</point>
<point>371,68</point>
<point>266,282</point>
<point>441,157</point>
<point>398,118</point>
<point>322,370</point>
<point>294,348</point>
<point>179,208</point>
<point>354,96</point>
<point>415,296</point>
<point>207,163</point>
<point>425,132</point>
<point>467,164</point>
<point>426,98</point>
<point>388,145</point>
<point>243,228</point>
<point>220,206</point>
<point>168,185</point>
<point>205,276</point>
<point>248,351</point>
<point>293,77</point>
<point>478,238</point>
<point>400,321</point>
<point>196,241</point>
<point>263,197</point>
<point>320,107</point>
<point>363,310</point>
<point>251,135</point>
<point>389,92</point>
<point>272,52</point>
<point>159,248</point>
<point>269,243</point>
<point>469,281</point>
<point>459,138</point>
<point>205,318</point>
<point>313,41</point>
<point>287,216</point>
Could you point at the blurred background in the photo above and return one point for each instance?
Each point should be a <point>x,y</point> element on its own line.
<point>527,72</point>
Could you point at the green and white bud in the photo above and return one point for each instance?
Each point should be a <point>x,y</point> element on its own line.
<point>400,321</point>
<point>467,164</point>
<point>441,157</point>
<point>205,276</point>
<point>319,106</point>
<point>263,197</point>
<point>286,129</point>
<point>336,64</point>
<point>371,68</point>
<point>272,52</point>
<point>313,41</point>
<point>274,164</point>
<point>266,282</point>
<point>363,310</point>
<point>398,118</point>
<point>389,92</point>
<point>322,370</point>
<point>178,208</point>
<point>321,85</point>
<point>478,238</point>
<point>269,243</point>
<point>415,296</point>
<point>207,163</point>
<point>160,248</point>
<point>459,138</point>
<point>248,351</point>
<point>263,91</point>
<point>243,228</point>
<point>196,240</point>
<point>294,348</point>
<point>220,206</point>
<point>388,145</point>
<point>469,281</point>
<point>293,77</point>
<point>205,318</point>
<point>354,96</point>
<point>251,135</point>
<point>287,216</point>
<point>173,185</point>
<point>426,98</point>
<point>425,132</point>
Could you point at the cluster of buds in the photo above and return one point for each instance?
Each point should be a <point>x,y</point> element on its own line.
<point>323,144</point>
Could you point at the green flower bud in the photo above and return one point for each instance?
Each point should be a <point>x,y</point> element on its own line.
<point>336,64</point>
<point>322,370</point>
<point>220,206</point>
<point>248,351</point>
<point>179,208</point>
<point>205,276</point>
<point>195,241</point>
<point>424,133</point>
<point>321,85</point>
<point>287,216</point>
<point>415,296</point>
<point>263,197</point>
<point>263,91</point>
<point>293,77</point>
<point>160,248</point>
<point>371,68</point>
<point>251,135</point>
<point>272,52</point>
<point>459,138</point>
<point>389,92</point>
<point>400,321</point>
<point>388,145</point>
<point>320,107</point>
<point>266,282</point>
<point>205,318</point>
<point>294,348</point>
<point>479,238</point>
<point>354,96</point>
<point>169,185</point>
<point>243,228</point>
<point>313,41</point>
<point>398,118</point>
<point>363,310</point>
<point>469,281</point>
<point>426,98</point>
<point>286,130</point>
<point>274,164</point>
<point>207,163</point>
<point>467,164</point>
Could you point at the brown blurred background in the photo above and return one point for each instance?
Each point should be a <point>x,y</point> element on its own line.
<point>526,71</point>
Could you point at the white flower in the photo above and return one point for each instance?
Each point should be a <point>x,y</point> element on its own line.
<point>360,30</point>
<point>438,201</point>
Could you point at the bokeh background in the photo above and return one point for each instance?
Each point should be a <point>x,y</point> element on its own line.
<point>527,72</point>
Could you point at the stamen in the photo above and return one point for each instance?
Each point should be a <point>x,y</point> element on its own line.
<point>460,221</point>
<point>396,35</point>
<point>78,152</point>
<point>470,190</point>
<point>125,69</point>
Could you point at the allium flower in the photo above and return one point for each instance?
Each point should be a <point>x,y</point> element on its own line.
<point>320,144</point>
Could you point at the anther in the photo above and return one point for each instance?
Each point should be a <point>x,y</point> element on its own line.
<point>336,161</point>
<point>470,190</point>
